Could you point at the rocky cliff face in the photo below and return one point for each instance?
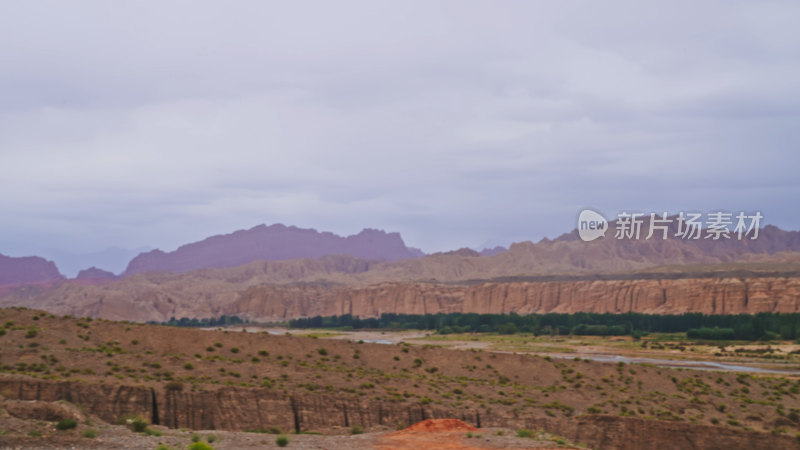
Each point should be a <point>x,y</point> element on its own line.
<point>159,298</point>
<point>657,296</point>
<point>270,243</point>
<point>241,409</point>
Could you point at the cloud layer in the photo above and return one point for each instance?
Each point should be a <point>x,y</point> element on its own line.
<point>455,123</point>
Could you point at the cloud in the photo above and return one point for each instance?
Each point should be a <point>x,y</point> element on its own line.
<point>455,123</point>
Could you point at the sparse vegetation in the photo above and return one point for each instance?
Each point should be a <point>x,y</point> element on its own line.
<point>66,424</point>
<point>199,446</point>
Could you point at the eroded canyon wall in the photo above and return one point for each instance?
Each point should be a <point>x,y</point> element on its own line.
<point>658,296</point>
<point>241,409</point>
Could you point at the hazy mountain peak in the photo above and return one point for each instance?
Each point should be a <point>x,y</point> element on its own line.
<point>273,242</point>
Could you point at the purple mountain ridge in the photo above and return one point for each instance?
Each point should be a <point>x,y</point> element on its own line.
<point>95,274</point>
<point>274,242</point>
<point>28,269</point>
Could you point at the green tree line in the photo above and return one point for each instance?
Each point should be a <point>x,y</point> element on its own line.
<point>220,321</point>
<point>696,325</point>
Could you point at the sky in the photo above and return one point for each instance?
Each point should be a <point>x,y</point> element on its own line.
<point>135,125</point>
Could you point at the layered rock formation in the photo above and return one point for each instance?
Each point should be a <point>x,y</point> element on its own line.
<point>159,298</point>
<point>652,296</point>
<point>242,409</point>
<point>270,243</point>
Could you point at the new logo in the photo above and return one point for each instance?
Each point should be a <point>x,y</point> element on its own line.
<point>591,225</point>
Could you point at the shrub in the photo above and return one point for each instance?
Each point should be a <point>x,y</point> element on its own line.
<point>31,333</point>
<point>137,424</point>
<point>151,432</point>
<point>211,438</point>
<point>524,433</point>
<point>35,433</point>
<point>66,424</point>
<point>89,434</point>
<point>188,366</point>
<point>195,438</point>
<point>322,351</point>
<point>263,353</point>
<point>282,440</point>
<point>2,331</point>
<point>235,350</point>
<point>356,429</point>
<point>200,446</point>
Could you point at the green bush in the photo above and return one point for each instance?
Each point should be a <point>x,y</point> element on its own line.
<point>282,440</point>
<point>200,446</point>
<point>137,424</point>
<point>524,433</point>
<point>211,438</point>
<point>66,424</point>
<point>356,429</point>
<point>90,434</point>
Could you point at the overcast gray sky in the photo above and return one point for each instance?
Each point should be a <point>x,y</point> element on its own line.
<point>456,123</point>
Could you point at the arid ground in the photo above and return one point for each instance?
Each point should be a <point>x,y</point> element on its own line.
<point>241,386</point>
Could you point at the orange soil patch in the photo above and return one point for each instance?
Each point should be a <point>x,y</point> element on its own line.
<point>436,425</point>
<point>445,434</point>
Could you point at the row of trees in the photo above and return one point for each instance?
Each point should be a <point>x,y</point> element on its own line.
<point>696,325</point>
<point>220,321</point>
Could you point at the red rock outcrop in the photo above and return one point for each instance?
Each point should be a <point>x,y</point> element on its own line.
<point>656,296</point>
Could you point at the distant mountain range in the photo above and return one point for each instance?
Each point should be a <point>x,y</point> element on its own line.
<point>388,258</point>
<point>261,243</point>
<point>284,267</point>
